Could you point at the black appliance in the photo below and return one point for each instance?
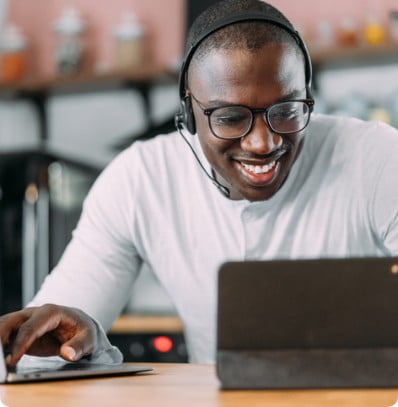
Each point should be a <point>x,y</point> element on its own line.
<point>34,230</point>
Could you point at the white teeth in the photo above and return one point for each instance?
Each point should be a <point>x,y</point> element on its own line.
<point>259,169</point>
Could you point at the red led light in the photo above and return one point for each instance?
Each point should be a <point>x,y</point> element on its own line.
<point>162,344</point>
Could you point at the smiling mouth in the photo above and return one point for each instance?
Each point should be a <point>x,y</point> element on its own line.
<point>259,169</point>
<point>260,174</point>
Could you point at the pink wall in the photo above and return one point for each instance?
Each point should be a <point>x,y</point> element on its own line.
<point>164,20</point>
<point>308,12</point>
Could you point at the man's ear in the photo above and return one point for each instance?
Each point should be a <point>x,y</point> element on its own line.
<point>187,114</point>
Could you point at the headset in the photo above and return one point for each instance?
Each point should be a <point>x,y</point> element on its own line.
<point>185,118</point>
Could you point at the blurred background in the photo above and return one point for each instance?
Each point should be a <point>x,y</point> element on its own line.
<point>81,80</point>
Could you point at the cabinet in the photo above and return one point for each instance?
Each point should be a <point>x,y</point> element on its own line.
<point>357,81</point>
<point>38,91</point>
<point>142,338</point>
<point>28,225</point>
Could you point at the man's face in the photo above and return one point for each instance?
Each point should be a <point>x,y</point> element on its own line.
<point>255,166</point>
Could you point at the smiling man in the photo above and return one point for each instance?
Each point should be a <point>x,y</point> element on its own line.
<point>251,148</point>
<point>265,179</point>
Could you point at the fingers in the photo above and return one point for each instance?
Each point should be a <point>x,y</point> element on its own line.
<point>49,330</point>
<point>82,344</point>
<point>11,322</point>
<point>84,340</point>
<point>39,321</point>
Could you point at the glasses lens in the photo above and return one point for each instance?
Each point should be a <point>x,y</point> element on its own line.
<point>230,121</point>
<point>288,117</point>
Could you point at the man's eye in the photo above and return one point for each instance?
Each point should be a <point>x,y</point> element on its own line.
<point>289,114</point>
<point>229,120</point>
<point>230,116</point>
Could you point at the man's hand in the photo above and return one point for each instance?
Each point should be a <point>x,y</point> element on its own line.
<point>49,330</point>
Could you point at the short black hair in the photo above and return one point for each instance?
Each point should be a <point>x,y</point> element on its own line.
<point>251,36</point>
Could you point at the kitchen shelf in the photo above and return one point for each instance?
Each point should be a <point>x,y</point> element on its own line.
<point>38,90</point>
<point>132,323</point>
<point>144,74</point>
<point>350,54</point>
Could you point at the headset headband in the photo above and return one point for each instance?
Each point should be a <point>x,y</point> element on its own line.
<point>238,18</point>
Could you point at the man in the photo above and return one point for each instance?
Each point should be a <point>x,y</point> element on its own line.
<point>286,188</point>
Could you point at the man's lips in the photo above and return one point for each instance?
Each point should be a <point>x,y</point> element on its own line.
<point>261,160</point>
<point>260,171</point>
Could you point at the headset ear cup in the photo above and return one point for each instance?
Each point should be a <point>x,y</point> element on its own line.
<point>189,118</point>
<point>309,94</point>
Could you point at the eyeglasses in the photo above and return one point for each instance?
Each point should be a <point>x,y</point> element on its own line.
<point>236,121</point>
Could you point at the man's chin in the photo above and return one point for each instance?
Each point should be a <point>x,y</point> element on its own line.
<point>254,194</point>
<point>245,190</point>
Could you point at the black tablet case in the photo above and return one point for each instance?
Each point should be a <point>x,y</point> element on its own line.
<point>308,324</point>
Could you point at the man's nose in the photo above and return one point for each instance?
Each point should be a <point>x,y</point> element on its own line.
<point>261,139</point>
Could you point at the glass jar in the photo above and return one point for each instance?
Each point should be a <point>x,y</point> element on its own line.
<point>394,26</point>
<point>69,42</point>
<point>129,44</point>
<point>13,54</point>
<point>374,32</point>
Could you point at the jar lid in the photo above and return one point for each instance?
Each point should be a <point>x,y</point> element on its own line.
<point>129,28</point>
<point>12,38</point>
<point>70,22</point>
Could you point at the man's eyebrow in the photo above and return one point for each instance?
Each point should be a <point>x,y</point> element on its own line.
<point>220,102</point>
<point>292,95</point>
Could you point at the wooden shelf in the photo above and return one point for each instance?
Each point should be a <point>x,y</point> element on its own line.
<point>322,56</point>
<point>129,324</point>
<point>143,74</point>
<point>150,72</point>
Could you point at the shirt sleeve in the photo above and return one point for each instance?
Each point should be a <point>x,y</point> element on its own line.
<point>100,264</point>
<point>384,194</point>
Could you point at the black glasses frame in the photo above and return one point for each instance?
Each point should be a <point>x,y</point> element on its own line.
<point>207,111</point>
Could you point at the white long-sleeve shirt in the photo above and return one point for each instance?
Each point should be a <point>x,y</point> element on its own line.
<point>153,204</point>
